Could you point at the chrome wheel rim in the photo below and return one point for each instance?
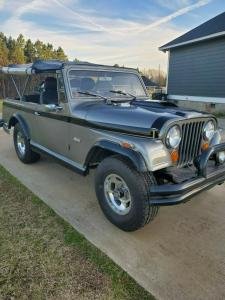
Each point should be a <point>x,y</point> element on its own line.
<point>21,143</point>
<point>117,194</point>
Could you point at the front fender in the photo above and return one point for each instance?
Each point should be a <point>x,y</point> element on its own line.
<point>135,157</point>
<point>17,118</point>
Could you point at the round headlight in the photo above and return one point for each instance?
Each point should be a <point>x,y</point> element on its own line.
<point>209,130</point>
<point>173,137</point>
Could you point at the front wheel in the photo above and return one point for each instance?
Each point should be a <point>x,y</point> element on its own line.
<point>122,193</point>
<point>23,147</point>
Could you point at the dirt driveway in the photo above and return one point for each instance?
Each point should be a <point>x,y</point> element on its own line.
<point>181,255</point>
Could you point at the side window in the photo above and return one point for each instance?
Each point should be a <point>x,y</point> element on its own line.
<point>61,89</point>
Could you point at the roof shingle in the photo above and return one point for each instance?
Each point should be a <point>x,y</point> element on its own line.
<point>214,27</point>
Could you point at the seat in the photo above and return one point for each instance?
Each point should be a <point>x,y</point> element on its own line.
<point>103,86</point>
<point>50,95</point>
<point>75,83</point>
<point>87,84</point>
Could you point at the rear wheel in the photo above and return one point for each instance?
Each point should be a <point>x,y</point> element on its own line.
<point>123,195</point>
<point>23,147</point>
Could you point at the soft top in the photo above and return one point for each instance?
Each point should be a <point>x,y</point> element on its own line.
<point>41,66</point>
<point>38,66</point>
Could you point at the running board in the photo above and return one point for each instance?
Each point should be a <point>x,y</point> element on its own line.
<point>60,158</point>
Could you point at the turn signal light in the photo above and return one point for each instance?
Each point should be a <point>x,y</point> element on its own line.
<point>205,146</point>
<point>127,145</point>
<point>174,156</point>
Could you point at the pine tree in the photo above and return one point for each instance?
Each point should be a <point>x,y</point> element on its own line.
<point>47,51</point>
<point>60,54</point>
<point>29,51</point>
<point>38,45</point>
<point>20,41</point>
<point>3,51</point>
<point>16,50</point>
<point>11,47</point>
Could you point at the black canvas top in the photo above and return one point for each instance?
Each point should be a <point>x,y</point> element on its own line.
<point>47,65</point>
<point>215,25</point>
<point>41,66</point>
<point>38,66</point>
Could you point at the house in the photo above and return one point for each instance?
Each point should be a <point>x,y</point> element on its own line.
<point>196,66</point>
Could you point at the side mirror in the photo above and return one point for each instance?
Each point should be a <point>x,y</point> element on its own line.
<point>53,108</point>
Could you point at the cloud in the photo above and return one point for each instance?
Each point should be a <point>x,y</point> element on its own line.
<point>100,39</point>
<point>174,15</point>
<point>82,18</point>
<point>175,4</point>
<point>139,27</point>
<point>2,2</point>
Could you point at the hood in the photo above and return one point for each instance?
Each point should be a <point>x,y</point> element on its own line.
<point>141,117</point>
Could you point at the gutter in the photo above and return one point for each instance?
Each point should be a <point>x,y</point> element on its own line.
<point>204,38</point>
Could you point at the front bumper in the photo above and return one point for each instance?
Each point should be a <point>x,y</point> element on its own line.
<point>171,194</point>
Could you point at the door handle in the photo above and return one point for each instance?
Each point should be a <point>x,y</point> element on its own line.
<point>37,113</point>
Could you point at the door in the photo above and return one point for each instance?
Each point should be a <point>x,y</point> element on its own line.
<point>52,125</point>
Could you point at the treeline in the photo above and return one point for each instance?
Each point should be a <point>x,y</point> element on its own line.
<point>157,76</point>
<point>21,51</point>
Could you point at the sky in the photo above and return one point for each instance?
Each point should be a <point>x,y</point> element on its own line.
<point>127,32</point>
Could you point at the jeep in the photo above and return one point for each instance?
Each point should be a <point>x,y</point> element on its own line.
<point>147,153</point>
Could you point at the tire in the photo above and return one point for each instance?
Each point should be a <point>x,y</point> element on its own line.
<point>137,210</point>
<point>23,147</point>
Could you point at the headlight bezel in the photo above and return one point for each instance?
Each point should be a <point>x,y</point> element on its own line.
<point>208,137</point>
<point>168,137</point>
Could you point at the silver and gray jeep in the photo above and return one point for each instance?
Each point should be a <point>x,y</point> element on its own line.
<point>147,152</point>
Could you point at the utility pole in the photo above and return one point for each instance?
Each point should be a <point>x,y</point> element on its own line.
<point>159,75</point>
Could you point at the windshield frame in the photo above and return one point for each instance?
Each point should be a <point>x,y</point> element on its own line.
<point>103,69</point>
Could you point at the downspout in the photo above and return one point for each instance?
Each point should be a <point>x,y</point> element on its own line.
<point>168,68</point>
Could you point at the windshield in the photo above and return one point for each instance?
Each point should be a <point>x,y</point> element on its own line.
<point>104,82</point>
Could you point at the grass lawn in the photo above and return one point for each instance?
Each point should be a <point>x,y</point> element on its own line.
<point>43,257</point>
<point>0,105</point>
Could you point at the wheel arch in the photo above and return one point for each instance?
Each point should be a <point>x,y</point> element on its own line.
<point>105,148</point>
<point>17,118</point>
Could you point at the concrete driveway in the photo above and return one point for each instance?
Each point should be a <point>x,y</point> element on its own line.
<point>181,255</point>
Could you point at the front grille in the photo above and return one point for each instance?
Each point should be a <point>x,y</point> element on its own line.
<point>190,145</point>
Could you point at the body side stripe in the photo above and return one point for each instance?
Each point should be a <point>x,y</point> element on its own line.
<point>82,122</point>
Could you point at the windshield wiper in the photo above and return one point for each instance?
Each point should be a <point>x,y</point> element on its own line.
<point>125,94</point>
<point>92,94</point>
<point>107,100</point>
